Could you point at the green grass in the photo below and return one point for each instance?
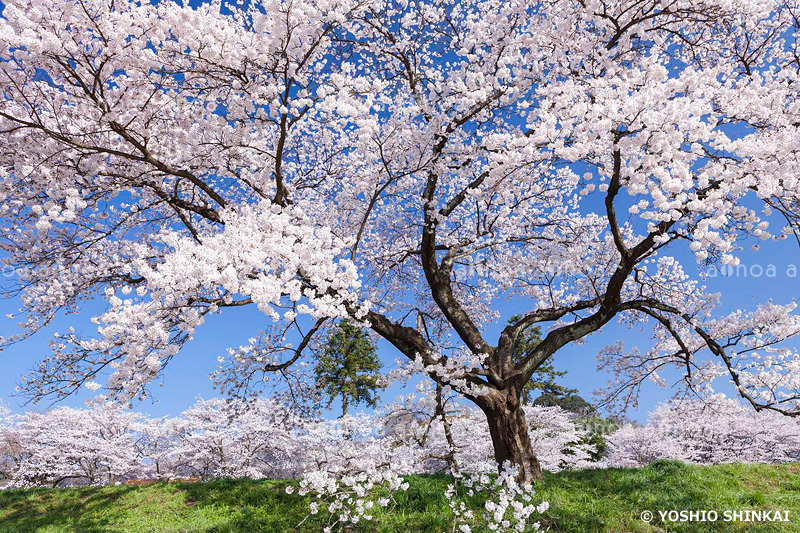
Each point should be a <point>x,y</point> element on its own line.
<point>584,501</point>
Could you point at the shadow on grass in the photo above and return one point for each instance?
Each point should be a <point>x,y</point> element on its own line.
<point>251,505</point>
<point>613,499</point>
<point>81,510</point>
<point>264,506</point>
<point>608,500</point>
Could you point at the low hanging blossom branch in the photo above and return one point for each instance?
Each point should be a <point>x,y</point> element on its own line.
<point>509,505</point>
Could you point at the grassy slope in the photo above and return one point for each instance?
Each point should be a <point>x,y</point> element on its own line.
<point>585,501</point>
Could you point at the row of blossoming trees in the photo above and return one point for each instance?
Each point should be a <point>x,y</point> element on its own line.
<point>265,439</point>
<point>354,464</point>
<point>717,431</point>
<point>214,438</point>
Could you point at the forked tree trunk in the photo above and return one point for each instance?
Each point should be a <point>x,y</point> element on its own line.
<point>509,432</point>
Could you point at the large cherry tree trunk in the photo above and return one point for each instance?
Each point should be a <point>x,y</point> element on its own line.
<point>502,406</point>
<point>509,431</point>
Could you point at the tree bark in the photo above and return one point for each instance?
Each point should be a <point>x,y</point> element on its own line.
<point>509,431</point>
<point>448,433</point>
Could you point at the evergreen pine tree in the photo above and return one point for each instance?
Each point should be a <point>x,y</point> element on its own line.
<point>348,367</point>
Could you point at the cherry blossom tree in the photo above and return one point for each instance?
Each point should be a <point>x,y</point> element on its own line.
<point>632,446</point>
<point>437,433</point>
<point>215,438</point>
<point>68,446</point>
<point>9,444</point>
<point>717,430</point>
<point>404,164</point>
<point>156,441</point>
<point>107,444</point>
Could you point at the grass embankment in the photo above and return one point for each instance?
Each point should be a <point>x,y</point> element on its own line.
<point>584,501</point>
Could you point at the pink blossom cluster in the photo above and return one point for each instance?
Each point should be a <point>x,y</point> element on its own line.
<point>717,430</point>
